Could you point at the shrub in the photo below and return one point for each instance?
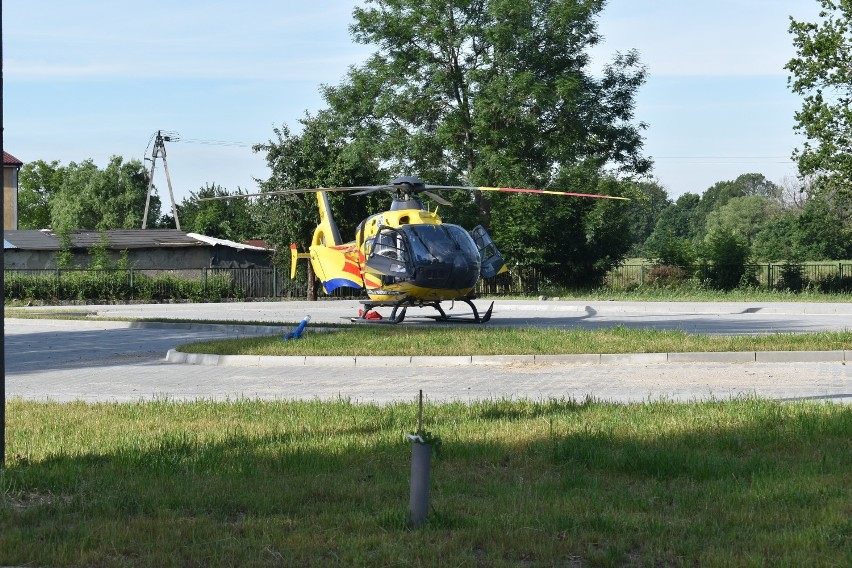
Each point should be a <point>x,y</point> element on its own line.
<point>663,275</point>
<point>792,277</point>
<point>116,285</point>
<point>728,255</point>
<point>835,284</point>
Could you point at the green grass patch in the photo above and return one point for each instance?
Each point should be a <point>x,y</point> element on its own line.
<point>519,483</point>
<point>405,340</point>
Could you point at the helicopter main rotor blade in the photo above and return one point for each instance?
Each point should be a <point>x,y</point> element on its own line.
<point>523,190</point>
<point>437,198</point>
<point>368,189</point>
<point>374,188</point>
<point>551,192</point>
<point>288,192</point>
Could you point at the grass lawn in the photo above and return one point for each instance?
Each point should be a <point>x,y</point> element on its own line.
<point>519,483</point>
<point>405,340</point>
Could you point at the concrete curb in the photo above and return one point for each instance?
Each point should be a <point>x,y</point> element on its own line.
<point>179,357</point>
<point>237,329</point>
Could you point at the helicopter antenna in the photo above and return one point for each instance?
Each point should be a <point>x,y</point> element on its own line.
<point>160,150</point>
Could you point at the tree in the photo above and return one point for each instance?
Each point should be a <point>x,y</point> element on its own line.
<point>488,92</point>
<point>112,198</point>
<point>645,211</point>
<point>728,255</point>
<point>317,157</point>
<point>743,216</point>
<point>480,91</point>
<point>717,196</point>
<point>675,221</point>
<point>820,234</point>
<point>776,239</point>
<point>821,72</point>
<point>38,182</point>
<point>224,219</point>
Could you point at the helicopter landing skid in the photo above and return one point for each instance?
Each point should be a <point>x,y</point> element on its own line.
<point>462,318</point>
<point>398,315</point>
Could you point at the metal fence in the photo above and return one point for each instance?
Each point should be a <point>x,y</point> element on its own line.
<point>255,283</point>
<point>836,276</point>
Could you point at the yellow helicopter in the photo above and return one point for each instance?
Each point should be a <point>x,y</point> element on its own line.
<point>406,256</point>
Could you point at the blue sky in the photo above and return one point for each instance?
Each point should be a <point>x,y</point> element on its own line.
<point>96,78</point>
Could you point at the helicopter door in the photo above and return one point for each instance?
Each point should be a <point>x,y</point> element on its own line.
<point>491,259</point>
<point>387,254</point>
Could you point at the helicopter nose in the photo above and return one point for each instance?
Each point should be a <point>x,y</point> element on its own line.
<point>452,274</point>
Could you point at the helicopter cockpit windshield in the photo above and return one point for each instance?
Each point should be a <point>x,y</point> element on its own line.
<point>433,256</point>
<point>445,243</point>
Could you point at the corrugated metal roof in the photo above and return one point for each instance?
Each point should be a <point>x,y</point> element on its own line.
<point>31,240</point>
<point>119,239</point>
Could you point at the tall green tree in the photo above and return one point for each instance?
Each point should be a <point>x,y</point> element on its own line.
<point>820,233</point>
<point>677,221</point>
<point>644,212</point>
<point>316,157</point>
<point>102,199</point>
<point>38,182</point>
<point>224,219</point>
<point>489,92</point>
<point>721,193</point>
<point>743,216</point>
<point>821,72</point>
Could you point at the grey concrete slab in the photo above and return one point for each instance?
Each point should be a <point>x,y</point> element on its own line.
<point>434,361</point>
<point>199,359</point>
<point>385,361</point>
<point>281,361</point>
<point>633,358</point>
<point>502,359</point>
<point>799,356</point>
<point>569,359</point>
<point>722,357</point>
<point>330,361</point>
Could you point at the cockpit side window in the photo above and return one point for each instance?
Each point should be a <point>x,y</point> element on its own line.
<point>388,243</point>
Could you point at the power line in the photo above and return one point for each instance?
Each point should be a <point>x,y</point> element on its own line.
<point>217,142</point>
<point>722,158</point>
<point>727,159</point>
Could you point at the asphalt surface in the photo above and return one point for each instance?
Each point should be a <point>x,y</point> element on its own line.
<point>723,318</point>
<point>120,361</point>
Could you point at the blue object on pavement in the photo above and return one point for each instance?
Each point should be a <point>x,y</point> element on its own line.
<point>297,333</point>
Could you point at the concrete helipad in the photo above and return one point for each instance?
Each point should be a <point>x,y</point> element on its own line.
<point>718,318</point>
<point>120,361</point>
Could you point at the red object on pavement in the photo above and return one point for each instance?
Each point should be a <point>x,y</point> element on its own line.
<point>371,315</point>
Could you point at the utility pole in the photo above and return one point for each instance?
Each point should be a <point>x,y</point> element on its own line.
<point>2,281</point>
<point>160,150</point>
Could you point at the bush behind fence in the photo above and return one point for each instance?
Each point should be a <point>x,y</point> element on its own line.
<point>823,277</point>
<point>216,284</point>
